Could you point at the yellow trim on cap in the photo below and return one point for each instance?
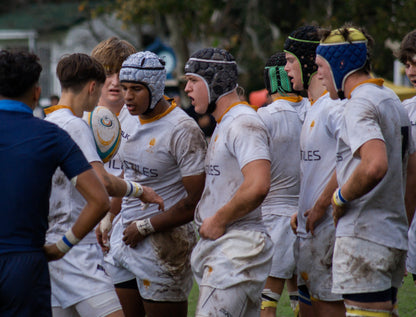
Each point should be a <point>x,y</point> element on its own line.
<point>336,37</point>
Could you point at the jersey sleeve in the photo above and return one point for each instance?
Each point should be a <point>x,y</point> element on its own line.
<point>82,135</point>
<point>71,159</point>
<point>248,140</point>
<point>362,124</point>
<point>335,117</point>
<point>189,147</point>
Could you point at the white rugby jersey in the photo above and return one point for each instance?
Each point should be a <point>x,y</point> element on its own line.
<point>410,106</point>
<point>375,112</point>
<point>158,153</point>
<point>301,106</point>
<point>66,203</point>
<point>318,155</point>
<point>284,125</point>
<point>239,138</point>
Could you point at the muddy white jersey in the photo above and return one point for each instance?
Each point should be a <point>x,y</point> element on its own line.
<point>410,106</point>
<point>318,155</point>
<point>301,106</point>
<point>284,126</point>
<point>65,202</point>
<point>239,138</point>
<point>375,112</point>
<point>158,153</point>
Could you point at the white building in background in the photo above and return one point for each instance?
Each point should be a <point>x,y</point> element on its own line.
<point>62,29</point>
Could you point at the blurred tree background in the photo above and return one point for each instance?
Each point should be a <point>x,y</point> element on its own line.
<point>252,30</point>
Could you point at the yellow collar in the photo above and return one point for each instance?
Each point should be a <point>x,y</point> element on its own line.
<point>172,106</point>
<point>289,98</point>
<point>57,107</point>
<point>375,81</point>
<point>235,104</point>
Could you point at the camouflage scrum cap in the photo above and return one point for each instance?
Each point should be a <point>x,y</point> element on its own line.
<point>148,69</point>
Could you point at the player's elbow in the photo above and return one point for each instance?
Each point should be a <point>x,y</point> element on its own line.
<point>377,171</point>
<point>262,190</point>
<point>102,203</point>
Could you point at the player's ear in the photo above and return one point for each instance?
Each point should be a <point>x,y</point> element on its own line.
<point>92,86</point>
<point>37,93</point>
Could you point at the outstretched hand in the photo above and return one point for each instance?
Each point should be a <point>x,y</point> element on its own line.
<point>149,196</point>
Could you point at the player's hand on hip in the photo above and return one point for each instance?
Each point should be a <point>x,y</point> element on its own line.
<point>294,222</point>
<point>313,216</point>
<point>52,252</point>
<point>132,236</point>
<point>102,230</point>
<point>150,196</point>
<point>211,229</point>
<point>337,212</point>
<point>102,238</point>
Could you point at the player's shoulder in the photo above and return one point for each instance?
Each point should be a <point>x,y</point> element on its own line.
<point>277,106</point>
<point>410,104</point>
<point>178,119</point>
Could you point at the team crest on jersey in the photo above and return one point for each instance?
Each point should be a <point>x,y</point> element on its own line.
<point>151,145</point>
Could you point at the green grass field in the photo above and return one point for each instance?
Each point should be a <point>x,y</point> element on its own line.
<point>407,301</point>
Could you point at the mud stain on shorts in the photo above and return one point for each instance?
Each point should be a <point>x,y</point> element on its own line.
<point>174,248</point>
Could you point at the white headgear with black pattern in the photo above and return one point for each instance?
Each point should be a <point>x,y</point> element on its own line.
<point>148,69</point>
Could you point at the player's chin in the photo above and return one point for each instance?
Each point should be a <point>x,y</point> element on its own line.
<point>132,109</point>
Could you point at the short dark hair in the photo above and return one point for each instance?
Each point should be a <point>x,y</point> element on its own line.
<point>75,70</point>
<point>19,71</point>
<point>407,48</point>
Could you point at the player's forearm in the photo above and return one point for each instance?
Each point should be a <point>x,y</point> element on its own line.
<point>247,198</point>
<point>369,172</point>
<point>324,199</point>
<point>179,214</point>
<point>97,203</point>
<point>360,183</point>
<point>89,218</point>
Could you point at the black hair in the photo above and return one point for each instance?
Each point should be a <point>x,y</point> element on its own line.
<point>19,72</point>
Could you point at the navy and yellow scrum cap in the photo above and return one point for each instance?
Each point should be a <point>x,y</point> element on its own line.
<point>344,56</point>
